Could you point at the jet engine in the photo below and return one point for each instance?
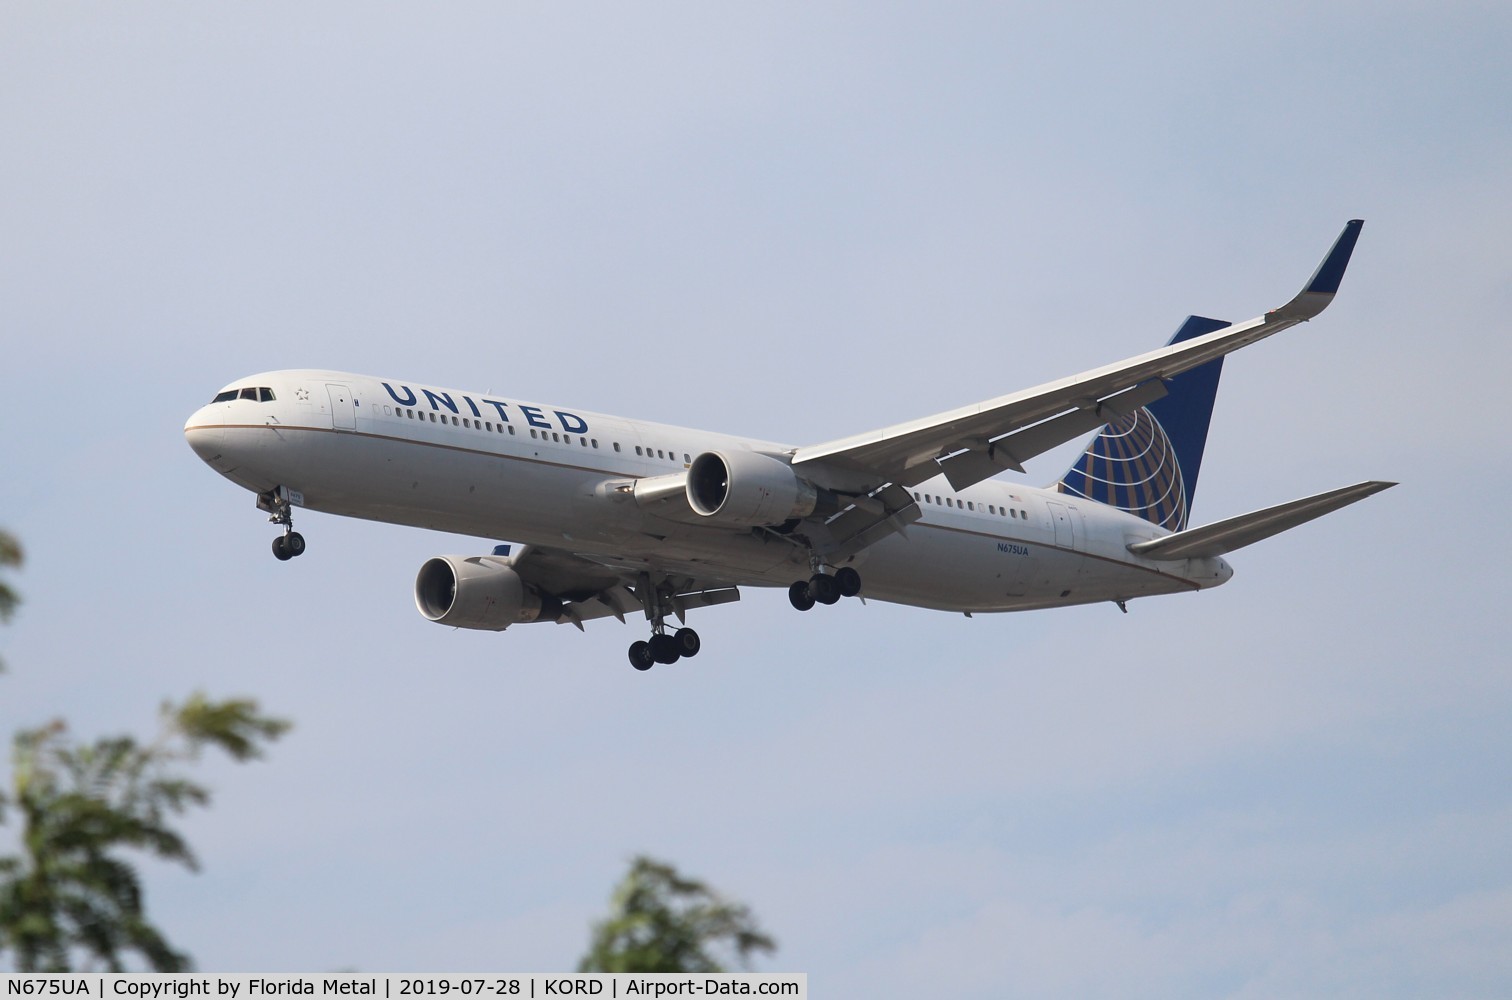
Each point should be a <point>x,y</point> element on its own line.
<point>481,592</point>
<point>748,489</point>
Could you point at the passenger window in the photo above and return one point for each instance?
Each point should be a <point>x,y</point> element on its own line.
<point>660,453</point>
<point>595,442</point>
<point>916,496</point>
<point>433,418</point>
<point>637,449</point>
<point>466,422</point>
<point>971,506</point>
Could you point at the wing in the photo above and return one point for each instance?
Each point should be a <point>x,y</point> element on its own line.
<point>590,588</point>
<point>976,442</point>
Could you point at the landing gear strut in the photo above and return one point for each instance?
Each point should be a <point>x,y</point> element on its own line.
<point>663,646</point>
<point>291,543</point>
<point>822,588</point>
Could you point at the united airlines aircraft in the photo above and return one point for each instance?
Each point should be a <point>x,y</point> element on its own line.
<point>613,517</point>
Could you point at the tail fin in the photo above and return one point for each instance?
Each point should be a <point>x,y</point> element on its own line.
<point>1147,463</point>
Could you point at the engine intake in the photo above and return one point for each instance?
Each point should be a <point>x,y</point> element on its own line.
<point>480,592</point>
<point>747,488</point>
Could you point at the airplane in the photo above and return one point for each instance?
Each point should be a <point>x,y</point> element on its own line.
<point>610,517</point>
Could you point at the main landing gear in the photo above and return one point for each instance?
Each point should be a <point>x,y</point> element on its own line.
<point>663,646</point>
<point>822,588</point>
<point>291,543</point>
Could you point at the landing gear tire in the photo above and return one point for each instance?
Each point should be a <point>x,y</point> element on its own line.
<point>800,597</point>
<point>848,580</point>
<point>664,648</point>
<point>286,547</point>
<point>823,588</point>
<point>640,655</point>
<point>688,642</point>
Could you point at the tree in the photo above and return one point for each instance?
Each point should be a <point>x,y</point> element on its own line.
<point>10,555</point>
<point>69,895</point>
<point>662,922</point>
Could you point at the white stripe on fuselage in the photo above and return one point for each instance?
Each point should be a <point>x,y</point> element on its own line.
<point>429,457</point>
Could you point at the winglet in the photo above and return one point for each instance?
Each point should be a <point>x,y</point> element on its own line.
<point>1319,292</point>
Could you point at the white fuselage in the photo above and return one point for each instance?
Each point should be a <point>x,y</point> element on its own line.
<point>493,467</point>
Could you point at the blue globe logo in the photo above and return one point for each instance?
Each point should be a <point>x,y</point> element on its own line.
<point>1132,465</point>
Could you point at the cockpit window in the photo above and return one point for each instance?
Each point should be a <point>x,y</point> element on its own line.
<point>258,394</point>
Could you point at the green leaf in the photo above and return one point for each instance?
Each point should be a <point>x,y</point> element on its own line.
<point>661,921</point>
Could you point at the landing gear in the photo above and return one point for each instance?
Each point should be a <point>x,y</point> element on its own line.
<point>822,588</point>
<point>640,655</point>
<point>291,543</point>
<point>688,642</point>
<point>288,545</point>
<point>663,646</point>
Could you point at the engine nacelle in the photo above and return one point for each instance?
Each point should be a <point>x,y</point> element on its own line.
<point>481,592</point>
<point>748,489</point>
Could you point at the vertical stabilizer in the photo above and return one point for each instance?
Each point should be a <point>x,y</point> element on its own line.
<point>1147,462</point>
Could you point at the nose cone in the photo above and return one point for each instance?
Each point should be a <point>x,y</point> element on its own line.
<point>206,434</point>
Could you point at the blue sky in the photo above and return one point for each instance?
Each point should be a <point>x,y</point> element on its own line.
<point>797,223</point>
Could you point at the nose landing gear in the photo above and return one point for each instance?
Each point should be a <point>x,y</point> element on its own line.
<point>280,511</point>
<point>288,545</point>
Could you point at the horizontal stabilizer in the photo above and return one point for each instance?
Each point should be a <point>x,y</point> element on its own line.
<point>1236,532</point>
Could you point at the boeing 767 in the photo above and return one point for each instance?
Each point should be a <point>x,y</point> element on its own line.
<point>611,516</point>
